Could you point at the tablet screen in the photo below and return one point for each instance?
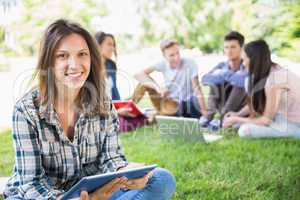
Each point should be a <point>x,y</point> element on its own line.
<point>91,183</point>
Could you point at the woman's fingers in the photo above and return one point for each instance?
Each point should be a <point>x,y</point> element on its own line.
<point>84,195</point>
<point>226,122</point>
<point>149,175</point>
<point>139,183</point>
<point>108,187</point>
<point>106,191</point>
<point>120,184</point>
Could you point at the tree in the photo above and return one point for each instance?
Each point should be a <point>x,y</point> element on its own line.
<point>203,24</point>
<point>36,15</point>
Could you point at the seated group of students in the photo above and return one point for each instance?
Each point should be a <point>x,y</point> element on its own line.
<point>66,128</point>
<point>248,90</point>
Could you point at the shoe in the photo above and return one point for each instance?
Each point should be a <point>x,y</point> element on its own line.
<point>203,121</point>
<point>214,124</point>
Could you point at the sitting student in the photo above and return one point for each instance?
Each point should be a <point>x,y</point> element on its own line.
<point>182,95</point>
<point>107,47</point>
<point>273,97</point>
<point>226,81</point>
<point>66,128</point>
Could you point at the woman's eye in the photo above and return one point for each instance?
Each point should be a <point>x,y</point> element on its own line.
<point>83,54</point>
<point>62,56</point>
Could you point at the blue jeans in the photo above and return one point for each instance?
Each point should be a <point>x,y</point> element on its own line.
<point>189,108</point>
<point>280,127</point>
<point>160,186</point>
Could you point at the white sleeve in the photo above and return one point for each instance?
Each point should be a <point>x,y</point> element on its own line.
<point>193,68</point>
<point>160,66</point>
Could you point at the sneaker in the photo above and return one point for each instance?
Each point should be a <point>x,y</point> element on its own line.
<point>214,124</point>
<point>203,121</point>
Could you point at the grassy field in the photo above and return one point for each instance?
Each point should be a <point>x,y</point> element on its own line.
<point>228,169</point>
<point>6,153</point>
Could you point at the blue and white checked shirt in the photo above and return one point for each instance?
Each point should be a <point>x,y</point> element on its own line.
<point>222,73</point>
<point>47,163</point>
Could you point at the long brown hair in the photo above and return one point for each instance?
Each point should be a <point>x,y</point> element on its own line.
<point>92,97</point>
<point>260,67</point>
<point>100,36</point>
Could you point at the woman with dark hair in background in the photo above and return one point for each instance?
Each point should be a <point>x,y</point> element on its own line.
<point>107,47</point>
<point>66,128</point>
<point>273,97</point>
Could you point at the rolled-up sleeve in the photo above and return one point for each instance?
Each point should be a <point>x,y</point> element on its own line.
<point>112,156</point>
<point>30,180</point>
<point>215,76</point>
<point>238,78</point>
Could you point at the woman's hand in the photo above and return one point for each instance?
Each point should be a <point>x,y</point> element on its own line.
<point>229,121</point>
<point>230,114</point>
<point>126,112</point>
<point>139,183</point>
<point>105,191</point>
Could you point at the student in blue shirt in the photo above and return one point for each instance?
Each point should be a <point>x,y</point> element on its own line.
<point>226,81</point>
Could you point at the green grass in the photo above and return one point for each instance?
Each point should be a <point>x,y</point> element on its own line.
<point>228,169</point>
<point>6,153</point>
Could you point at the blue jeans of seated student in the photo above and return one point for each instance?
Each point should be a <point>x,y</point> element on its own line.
<point>160,186</point>
<point>189,108</point>
<point>280,127</point>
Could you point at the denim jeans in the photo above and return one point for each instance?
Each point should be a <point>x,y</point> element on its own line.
<point>189,108</point>
<point>280,127</point>
<point>160,186</point>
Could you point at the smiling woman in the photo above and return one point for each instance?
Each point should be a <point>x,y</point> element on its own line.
<point>72,62</point>
<point>66,128</point>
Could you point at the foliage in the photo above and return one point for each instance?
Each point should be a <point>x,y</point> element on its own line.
<point>289,31</point>
<point>202,24</point>
<point>194,23</point>
<point>35,15</point>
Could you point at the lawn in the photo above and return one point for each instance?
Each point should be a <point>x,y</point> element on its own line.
<point>228,169</point>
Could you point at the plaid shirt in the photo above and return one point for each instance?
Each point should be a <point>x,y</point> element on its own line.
<point>47,163</point>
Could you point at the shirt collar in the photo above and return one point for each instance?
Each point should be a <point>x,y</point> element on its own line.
<point>178,67</point>
<point>241,67</point>
<point>48,113</point>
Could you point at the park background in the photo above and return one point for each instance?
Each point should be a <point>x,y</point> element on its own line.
<point>228,169</point>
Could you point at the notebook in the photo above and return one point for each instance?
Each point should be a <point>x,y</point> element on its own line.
<point>128,104</point>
